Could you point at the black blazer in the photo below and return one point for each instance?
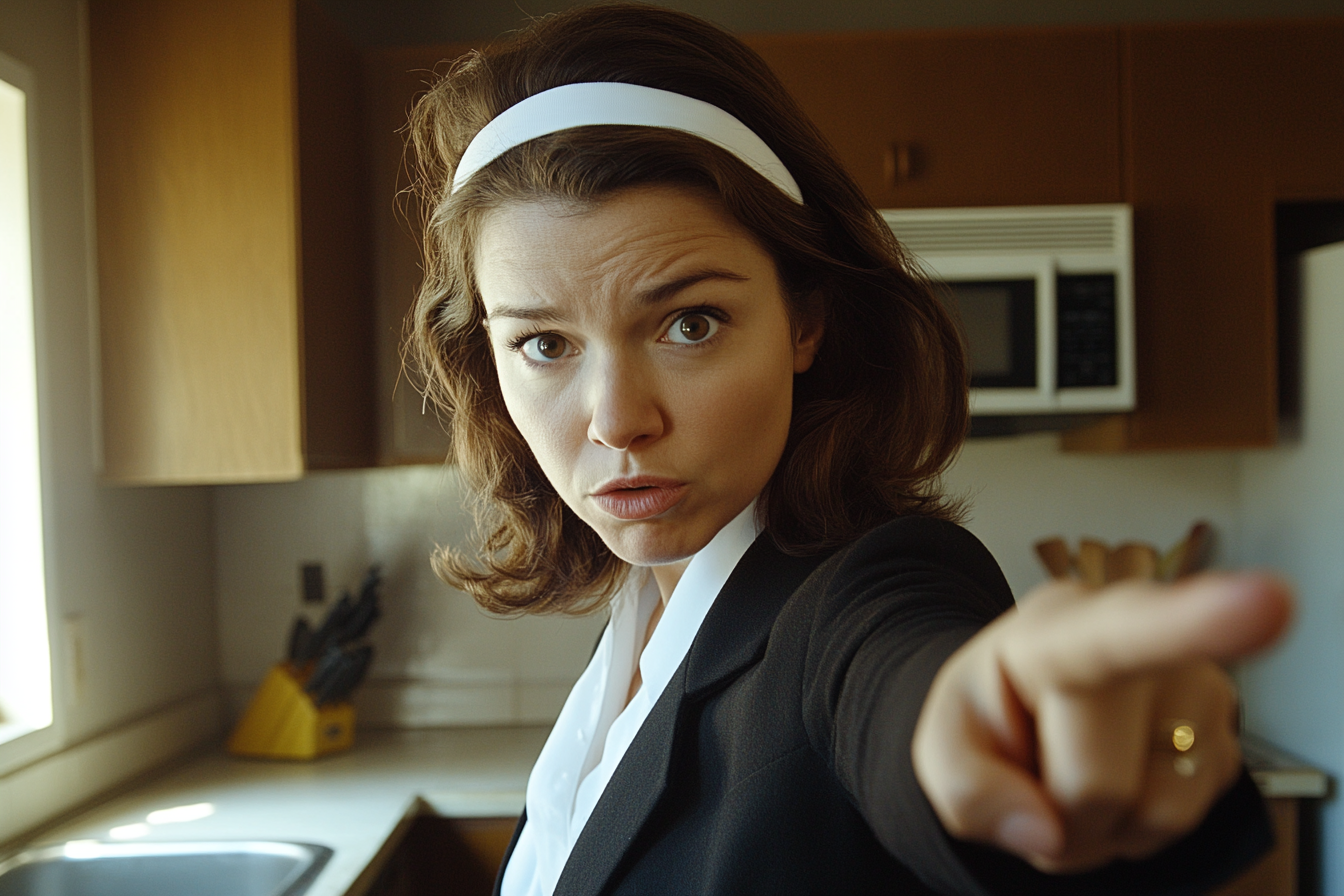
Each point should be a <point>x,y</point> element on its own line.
<point>777,760</point>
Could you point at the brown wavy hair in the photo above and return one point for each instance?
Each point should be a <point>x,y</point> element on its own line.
<point>877,418</point>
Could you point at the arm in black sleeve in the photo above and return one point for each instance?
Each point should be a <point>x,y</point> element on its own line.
<point>899,603</point>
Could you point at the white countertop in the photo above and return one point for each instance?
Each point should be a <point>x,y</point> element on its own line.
<point>351,802</point>
<point>1280,774</point>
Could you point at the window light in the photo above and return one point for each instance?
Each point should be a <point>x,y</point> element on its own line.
<point>25,658</point>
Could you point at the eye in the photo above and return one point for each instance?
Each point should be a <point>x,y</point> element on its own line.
<point>543,347</point>
<point>692,328</point>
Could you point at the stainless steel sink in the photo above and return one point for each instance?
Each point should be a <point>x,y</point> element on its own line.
<point>226,868</point>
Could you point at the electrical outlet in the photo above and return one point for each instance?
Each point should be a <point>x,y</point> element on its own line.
<point>313,577</point>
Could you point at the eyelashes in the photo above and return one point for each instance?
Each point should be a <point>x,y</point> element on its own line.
<point>540,348</point>
<point>693,328</point>
<point>689,328</point>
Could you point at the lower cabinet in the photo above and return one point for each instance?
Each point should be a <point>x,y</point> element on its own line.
<point>1277,873</point>
<point>457,856</point>
<point>461,856</point>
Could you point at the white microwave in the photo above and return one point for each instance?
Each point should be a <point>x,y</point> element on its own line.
<point>1045,297</point>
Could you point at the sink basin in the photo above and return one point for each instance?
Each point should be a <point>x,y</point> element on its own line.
<point>226,868</point>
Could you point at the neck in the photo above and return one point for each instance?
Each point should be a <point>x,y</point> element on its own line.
<point>667,576</point>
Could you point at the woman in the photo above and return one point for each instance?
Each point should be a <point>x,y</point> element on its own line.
<point>692,377</point>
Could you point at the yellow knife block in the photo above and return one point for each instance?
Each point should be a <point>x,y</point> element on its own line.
<point>283,723</point>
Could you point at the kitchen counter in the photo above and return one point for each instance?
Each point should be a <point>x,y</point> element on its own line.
<point>357,803</point>
<point>361,803</point>
<point>1281,775</point>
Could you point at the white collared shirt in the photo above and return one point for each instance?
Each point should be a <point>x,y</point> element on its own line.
<point>596,726</point>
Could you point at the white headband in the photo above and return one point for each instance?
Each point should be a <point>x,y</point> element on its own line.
<point>611,102</point>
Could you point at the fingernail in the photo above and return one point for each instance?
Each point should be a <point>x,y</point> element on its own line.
<point>1027,834</point>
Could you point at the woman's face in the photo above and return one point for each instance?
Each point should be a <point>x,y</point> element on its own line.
<point>645,353</point>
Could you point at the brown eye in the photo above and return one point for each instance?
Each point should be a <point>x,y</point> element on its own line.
<point>692,328</point>
<point>546,347</point>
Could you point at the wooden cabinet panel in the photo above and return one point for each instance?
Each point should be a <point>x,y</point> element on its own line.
<point>445,855</point>
<point>1223,121</point>
<point>336,277</point>
<point>1025,117</point>
<point>409,431</point>
<point>209,350</point>
<point>1276,874</point>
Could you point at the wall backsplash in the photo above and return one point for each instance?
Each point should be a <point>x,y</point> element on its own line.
<point>1023,489</point>
<point>442,661</point>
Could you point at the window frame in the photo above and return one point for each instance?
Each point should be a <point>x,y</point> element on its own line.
<point>25,748</point>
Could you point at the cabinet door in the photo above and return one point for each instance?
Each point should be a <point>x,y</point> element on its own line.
<point>194,163</point>
<point>1224,120</point>
<point>964,119</point>
<point>235,300</point>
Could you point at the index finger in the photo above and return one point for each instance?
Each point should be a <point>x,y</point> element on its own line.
<point>1138,627</point>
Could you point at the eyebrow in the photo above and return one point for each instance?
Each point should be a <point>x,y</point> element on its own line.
<point>651,296</point>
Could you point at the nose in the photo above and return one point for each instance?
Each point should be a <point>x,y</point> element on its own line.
<point>626,410</point>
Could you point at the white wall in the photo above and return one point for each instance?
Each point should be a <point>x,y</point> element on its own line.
<point>1023,489</point>
<point>133,564</point>
<point>439,659</point>
<point>1292,513</point>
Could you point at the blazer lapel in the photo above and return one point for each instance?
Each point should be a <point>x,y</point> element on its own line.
<point>631,794</point>
<point>736,629</point>
<point>732,637</point>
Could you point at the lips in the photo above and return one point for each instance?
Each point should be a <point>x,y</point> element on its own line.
<point>639,497</point>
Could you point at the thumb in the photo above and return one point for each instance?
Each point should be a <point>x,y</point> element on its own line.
<point>1017,817</point>
<point>980,794</point>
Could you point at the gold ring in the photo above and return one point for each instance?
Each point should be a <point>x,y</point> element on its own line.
<point>1178,735</point>
<point>1183,737</point>
<point>1174,736</point>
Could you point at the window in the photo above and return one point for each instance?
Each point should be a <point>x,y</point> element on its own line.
<point>25,657</point>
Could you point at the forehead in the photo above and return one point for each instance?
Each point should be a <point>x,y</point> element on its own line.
<point>548,247</point>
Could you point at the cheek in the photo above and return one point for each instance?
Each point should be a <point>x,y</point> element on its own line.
<point>544,420</point>
<point>742,415</point>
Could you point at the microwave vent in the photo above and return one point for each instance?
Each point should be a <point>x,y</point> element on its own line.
<point>928,232</point>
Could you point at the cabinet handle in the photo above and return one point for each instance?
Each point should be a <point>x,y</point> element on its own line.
<point>903,162</point>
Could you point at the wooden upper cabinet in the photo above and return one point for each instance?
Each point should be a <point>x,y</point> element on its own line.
<point>233,241</point>
<point>1006,117</point>
<point>240,307</point>
<point>1223,122</point>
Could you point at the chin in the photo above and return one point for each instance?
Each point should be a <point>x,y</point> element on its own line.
<point>653,548</point>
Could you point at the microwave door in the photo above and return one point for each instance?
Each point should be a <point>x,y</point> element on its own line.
<point>998,321</point>
<point>1006,310</point>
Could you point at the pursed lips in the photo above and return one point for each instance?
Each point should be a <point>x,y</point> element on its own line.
<point>638,497</point>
